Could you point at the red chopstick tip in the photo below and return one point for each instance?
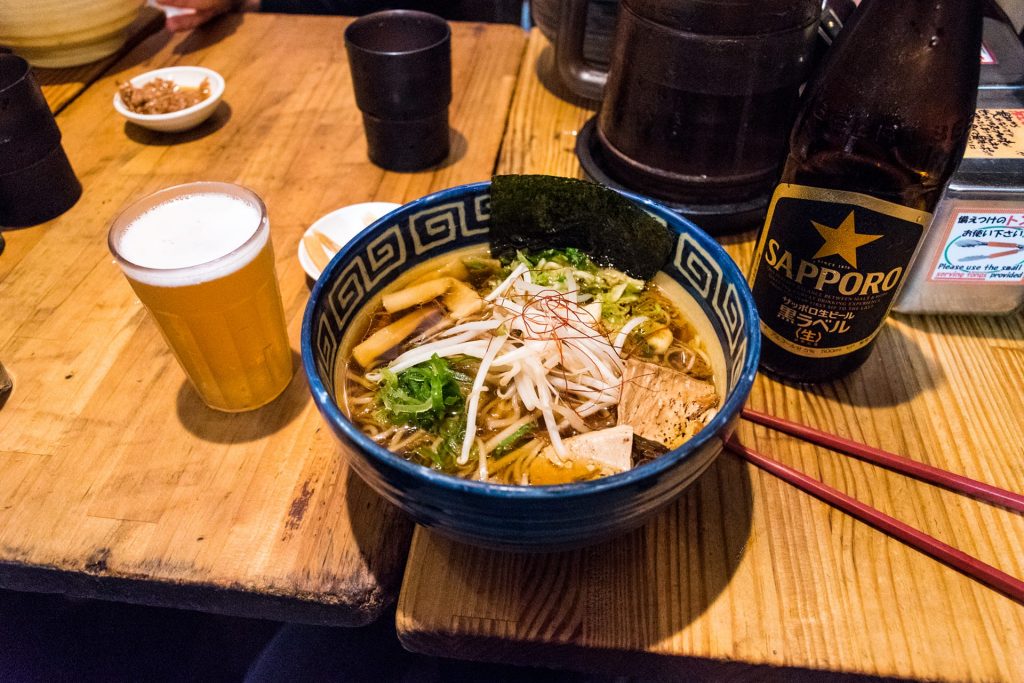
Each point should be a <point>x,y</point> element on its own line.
<point>897,463</point>
<point>984,573</point>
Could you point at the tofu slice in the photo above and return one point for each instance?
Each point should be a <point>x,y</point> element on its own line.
<point>611,448</point>
<point>657,401</point>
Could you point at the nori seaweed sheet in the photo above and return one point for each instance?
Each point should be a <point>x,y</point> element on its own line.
<point>534,212</point>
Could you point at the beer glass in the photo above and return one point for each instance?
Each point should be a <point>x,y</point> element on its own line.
<point>200,259</point>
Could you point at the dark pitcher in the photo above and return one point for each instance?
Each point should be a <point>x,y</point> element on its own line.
<point>699,101</point>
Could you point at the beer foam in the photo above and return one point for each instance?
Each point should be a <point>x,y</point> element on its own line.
<point>191,231</point>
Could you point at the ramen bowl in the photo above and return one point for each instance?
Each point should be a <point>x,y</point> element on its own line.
<point>531,518</point>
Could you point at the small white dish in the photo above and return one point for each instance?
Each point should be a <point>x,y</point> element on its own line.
<point>188,76</point>
<point>340,227</point>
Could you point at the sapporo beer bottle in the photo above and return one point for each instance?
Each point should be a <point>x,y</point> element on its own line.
<point>881,128</point>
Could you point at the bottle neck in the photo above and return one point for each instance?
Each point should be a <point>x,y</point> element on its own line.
<point>912,43</point>
<point>889,111</point>
<point>920,55</point>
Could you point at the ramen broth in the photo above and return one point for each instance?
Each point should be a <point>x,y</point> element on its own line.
<point>546,370</point>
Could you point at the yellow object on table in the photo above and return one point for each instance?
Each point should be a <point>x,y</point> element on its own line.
<point>62,33</point>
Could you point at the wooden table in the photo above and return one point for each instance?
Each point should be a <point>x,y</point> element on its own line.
<point>746,577</point>
<point>60,86</point>
<point>115,480</point>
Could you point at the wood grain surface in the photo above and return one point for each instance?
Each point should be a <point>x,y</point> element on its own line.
<point>115,480</point>
<point>60,86</point>
<point>745,577</point>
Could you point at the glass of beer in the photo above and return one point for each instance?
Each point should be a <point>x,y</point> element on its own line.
<point>199,257</point>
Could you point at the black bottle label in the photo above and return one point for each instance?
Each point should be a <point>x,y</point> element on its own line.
<point>828,265</point>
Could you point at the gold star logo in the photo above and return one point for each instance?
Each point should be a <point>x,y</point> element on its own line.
<point>842,241</point>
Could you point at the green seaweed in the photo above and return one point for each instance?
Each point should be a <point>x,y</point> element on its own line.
<point>538,212</point>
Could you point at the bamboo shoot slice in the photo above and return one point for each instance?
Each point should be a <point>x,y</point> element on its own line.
<point>454,268</point>
<point>330,246</point>
<point>414,295</point>
<point>461,300</point>
<point>386,338</point>
<point>316,252</point>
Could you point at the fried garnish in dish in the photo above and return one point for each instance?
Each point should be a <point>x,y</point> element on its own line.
<point>160,96</point>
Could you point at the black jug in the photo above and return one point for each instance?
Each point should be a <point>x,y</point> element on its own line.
<point>699,101</point>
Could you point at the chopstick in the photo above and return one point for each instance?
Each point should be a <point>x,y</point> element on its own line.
<point>1009,586</point>
<point>897,463</point>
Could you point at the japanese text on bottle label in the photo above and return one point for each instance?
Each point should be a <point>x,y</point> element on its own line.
<point>828,265</point>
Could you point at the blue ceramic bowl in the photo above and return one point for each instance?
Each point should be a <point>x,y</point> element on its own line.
<point>510,517</point>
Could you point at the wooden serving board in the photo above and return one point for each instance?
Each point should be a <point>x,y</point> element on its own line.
<point>115,480</point>
<point>745,577</point>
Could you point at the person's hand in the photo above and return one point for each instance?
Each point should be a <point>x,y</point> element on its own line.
<point>197,12</point>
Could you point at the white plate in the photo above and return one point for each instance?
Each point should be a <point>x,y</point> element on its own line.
<point>189,76</point>
<point>341,226</point>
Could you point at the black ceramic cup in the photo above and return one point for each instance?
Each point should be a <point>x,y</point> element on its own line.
<point>402,78</point>
<point>36,179</point>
